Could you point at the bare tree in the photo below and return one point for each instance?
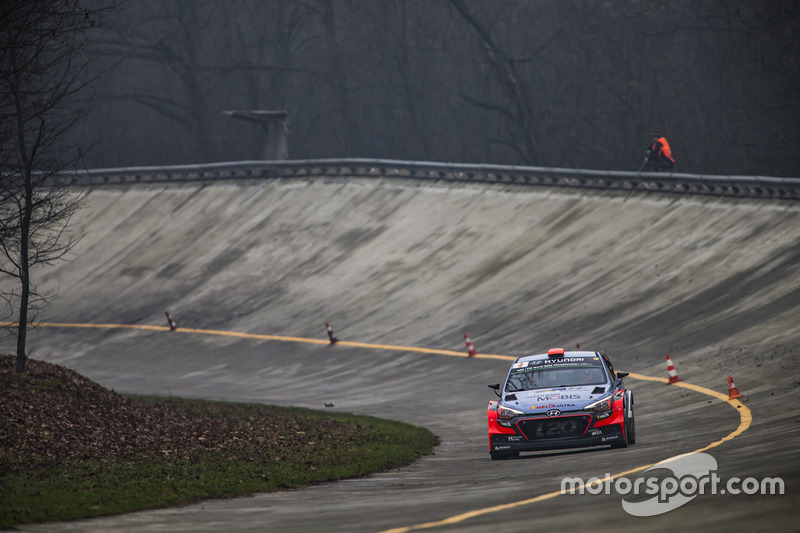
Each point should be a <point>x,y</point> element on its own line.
<point>43,75</point>
<point>518,109</point>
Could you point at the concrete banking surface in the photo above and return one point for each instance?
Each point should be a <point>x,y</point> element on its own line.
<point>713,282</point>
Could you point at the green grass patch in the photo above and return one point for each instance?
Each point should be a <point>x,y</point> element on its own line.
<point>233,450</point>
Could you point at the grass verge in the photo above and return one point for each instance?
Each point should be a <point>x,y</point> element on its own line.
<point>221,450</point>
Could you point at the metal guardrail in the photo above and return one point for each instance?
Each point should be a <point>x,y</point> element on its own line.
<point>662,182</point>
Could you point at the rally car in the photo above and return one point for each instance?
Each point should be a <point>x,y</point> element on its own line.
<point>560,400</point>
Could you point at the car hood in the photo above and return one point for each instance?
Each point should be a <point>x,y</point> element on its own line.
<point>562,398</point>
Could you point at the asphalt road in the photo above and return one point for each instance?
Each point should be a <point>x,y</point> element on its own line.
<point>714,283</point>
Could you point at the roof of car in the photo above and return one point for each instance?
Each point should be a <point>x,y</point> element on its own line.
<point>539,356</point>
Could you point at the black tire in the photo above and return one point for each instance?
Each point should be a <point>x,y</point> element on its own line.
<point>631,431</point>
<point>499,456</point>
<point>630,428</point>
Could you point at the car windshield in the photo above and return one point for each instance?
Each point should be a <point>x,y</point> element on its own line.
<point>561,372</point>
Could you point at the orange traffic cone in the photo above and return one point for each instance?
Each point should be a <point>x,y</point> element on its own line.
<point>470,348</point>
<point>673,376</point>
<point>331,336</point>
<point>172,324</point>
<point>733,392</point>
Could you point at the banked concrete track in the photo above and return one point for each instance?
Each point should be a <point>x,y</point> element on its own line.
<point>713,282</point>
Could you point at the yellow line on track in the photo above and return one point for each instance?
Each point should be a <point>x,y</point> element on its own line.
<point>259,336</point>
<point>745,416</point>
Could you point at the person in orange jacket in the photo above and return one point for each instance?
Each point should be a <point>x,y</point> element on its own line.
<point>659,156</point>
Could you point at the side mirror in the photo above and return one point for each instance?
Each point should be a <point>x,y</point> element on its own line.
<point>496,387</point>
<point>621,375</point>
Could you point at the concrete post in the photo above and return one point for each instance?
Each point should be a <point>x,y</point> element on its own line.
<point>274,124</point>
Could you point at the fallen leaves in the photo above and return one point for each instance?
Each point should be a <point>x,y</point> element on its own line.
<point>52,414</point>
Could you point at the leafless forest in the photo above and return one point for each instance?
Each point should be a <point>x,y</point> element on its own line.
<point>562,83</point>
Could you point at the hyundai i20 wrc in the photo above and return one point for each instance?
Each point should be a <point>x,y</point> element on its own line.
<point>560,400</point>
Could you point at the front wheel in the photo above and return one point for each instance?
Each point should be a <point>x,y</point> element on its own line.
<point>499,456</point>
<point>631,430</point>
<point>630,420</point>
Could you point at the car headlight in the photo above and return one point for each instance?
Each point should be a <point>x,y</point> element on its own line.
<point>506,413</point>
<point>603,406</point>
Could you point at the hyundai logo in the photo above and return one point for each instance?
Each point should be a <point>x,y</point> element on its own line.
<point>553,412</point>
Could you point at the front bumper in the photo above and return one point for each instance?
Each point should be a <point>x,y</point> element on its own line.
<point>517,442</point>
<point>570,430</point>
